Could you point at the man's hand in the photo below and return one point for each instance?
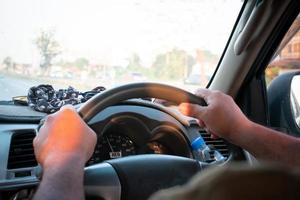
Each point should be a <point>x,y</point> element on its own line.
<point>62,147</point>
<point>63,138</point>
<point>221,117</point>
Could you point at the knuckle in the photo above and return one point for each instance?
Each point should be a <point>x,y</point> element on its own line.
<point>197,92</point>
<point>217,93</point>
<point>93,135</point>
<point>229,97</point>
<point>49,118</point>
<point>69,110</point>
<point>35,141</point>
<point>185,108</point>
<point>95,139</point>
<point>212,109</point>
<point>68,107</point>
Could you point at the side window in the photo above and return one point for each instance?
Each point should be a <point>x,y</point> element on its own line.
<point>285,60</point>
<point>287,57</point>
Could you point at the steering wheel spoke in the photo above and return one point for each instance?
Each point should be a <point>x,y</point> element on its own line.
<point>101,180</point>
<point>137,177</point>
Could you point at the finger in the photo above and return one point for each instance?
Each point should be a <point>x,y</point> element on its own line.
<point>36,142</point>
<point>213,136</point>
<point>201,123</point>
<point>46,121</point>
<point>192,110</point>
<point>189,109</point>
<point>42,134</point>
<point>67,107</point>
<point>203,93</point>
<point>68,112</point>
<point>43,131</point>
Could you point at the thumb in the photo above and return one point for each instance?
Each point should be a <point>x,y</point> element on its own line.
<point>192,110</point>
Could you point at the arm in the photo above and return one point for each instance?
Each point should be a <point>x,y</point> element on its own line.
<point>269,145</point>
<point>223,118</point>
<point>62,147</point>
<point>62,182</point>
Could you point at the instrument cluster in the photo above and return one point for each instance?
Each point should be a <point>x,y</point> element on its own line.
<point>129,136</point>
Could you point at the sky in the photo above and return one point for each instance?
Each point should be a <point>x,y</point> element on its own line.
<point>110,31</point>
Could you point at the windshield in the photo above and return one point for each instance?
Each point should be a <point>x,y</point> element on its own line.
<point>90,43</point>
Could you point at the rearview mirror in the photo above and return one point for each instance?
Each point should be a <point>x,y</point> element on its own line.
<point>283,102</point>
<point>295,98</point>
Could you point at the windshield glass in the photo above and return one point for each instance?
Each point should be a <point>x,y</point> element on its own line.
<point>90,43</point>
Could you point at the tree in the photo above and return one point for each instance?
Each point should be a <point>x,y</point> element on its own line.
<point>8,62</point>
<point>134,62</point>
<point>171,65</point>
<point>81,62</point>
<point>49,48</point>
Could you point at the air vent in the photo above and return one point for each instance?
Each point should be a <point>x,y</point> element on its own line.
<point>218,144</point>
<point>21,153</point>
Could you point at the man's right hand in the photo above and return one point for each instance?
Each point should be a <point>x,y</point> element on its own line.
<point>221,117</point>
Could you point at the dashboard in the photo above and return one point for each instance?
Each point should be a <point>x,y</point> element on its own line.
<point>127,129</point>
<point>139,130</point>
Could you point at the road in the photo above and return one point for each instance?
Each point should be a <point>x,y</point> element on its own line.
<point>12,86</point>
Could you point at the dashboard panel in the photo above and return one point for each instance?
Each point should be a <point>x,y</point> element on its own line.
<point>122,130</point>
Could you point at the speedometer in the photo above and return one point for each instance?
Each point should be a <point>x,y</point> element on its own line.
<point>112,146</point>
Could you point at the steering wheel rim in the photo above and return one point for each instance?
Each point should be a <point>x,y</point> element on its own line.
<point>112,178</point>
<point>136,90</point>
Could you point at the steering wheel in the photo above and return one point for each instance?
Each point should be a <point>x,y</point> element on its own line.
<point>137,177</point>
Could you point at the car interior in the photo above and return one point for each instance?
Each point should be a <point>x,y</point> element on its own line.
<point>144,143</point>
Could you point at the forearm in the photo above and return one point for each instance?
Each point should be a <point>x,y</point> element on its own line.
<point>65,182</point>
<point>269,145</point>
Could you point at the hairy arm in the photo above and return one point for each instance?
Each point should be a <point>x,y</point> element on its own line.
<point>270,145</point>
<point>62,182</point>
<point>223,118</point>
<point>62,147</point>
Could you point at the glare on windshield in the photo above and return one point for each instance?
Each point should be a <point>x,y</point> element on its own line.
<point>85,44</point>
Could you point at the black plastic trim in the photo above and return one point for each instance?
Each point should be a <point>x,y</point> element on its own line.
<point>270,46</point>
